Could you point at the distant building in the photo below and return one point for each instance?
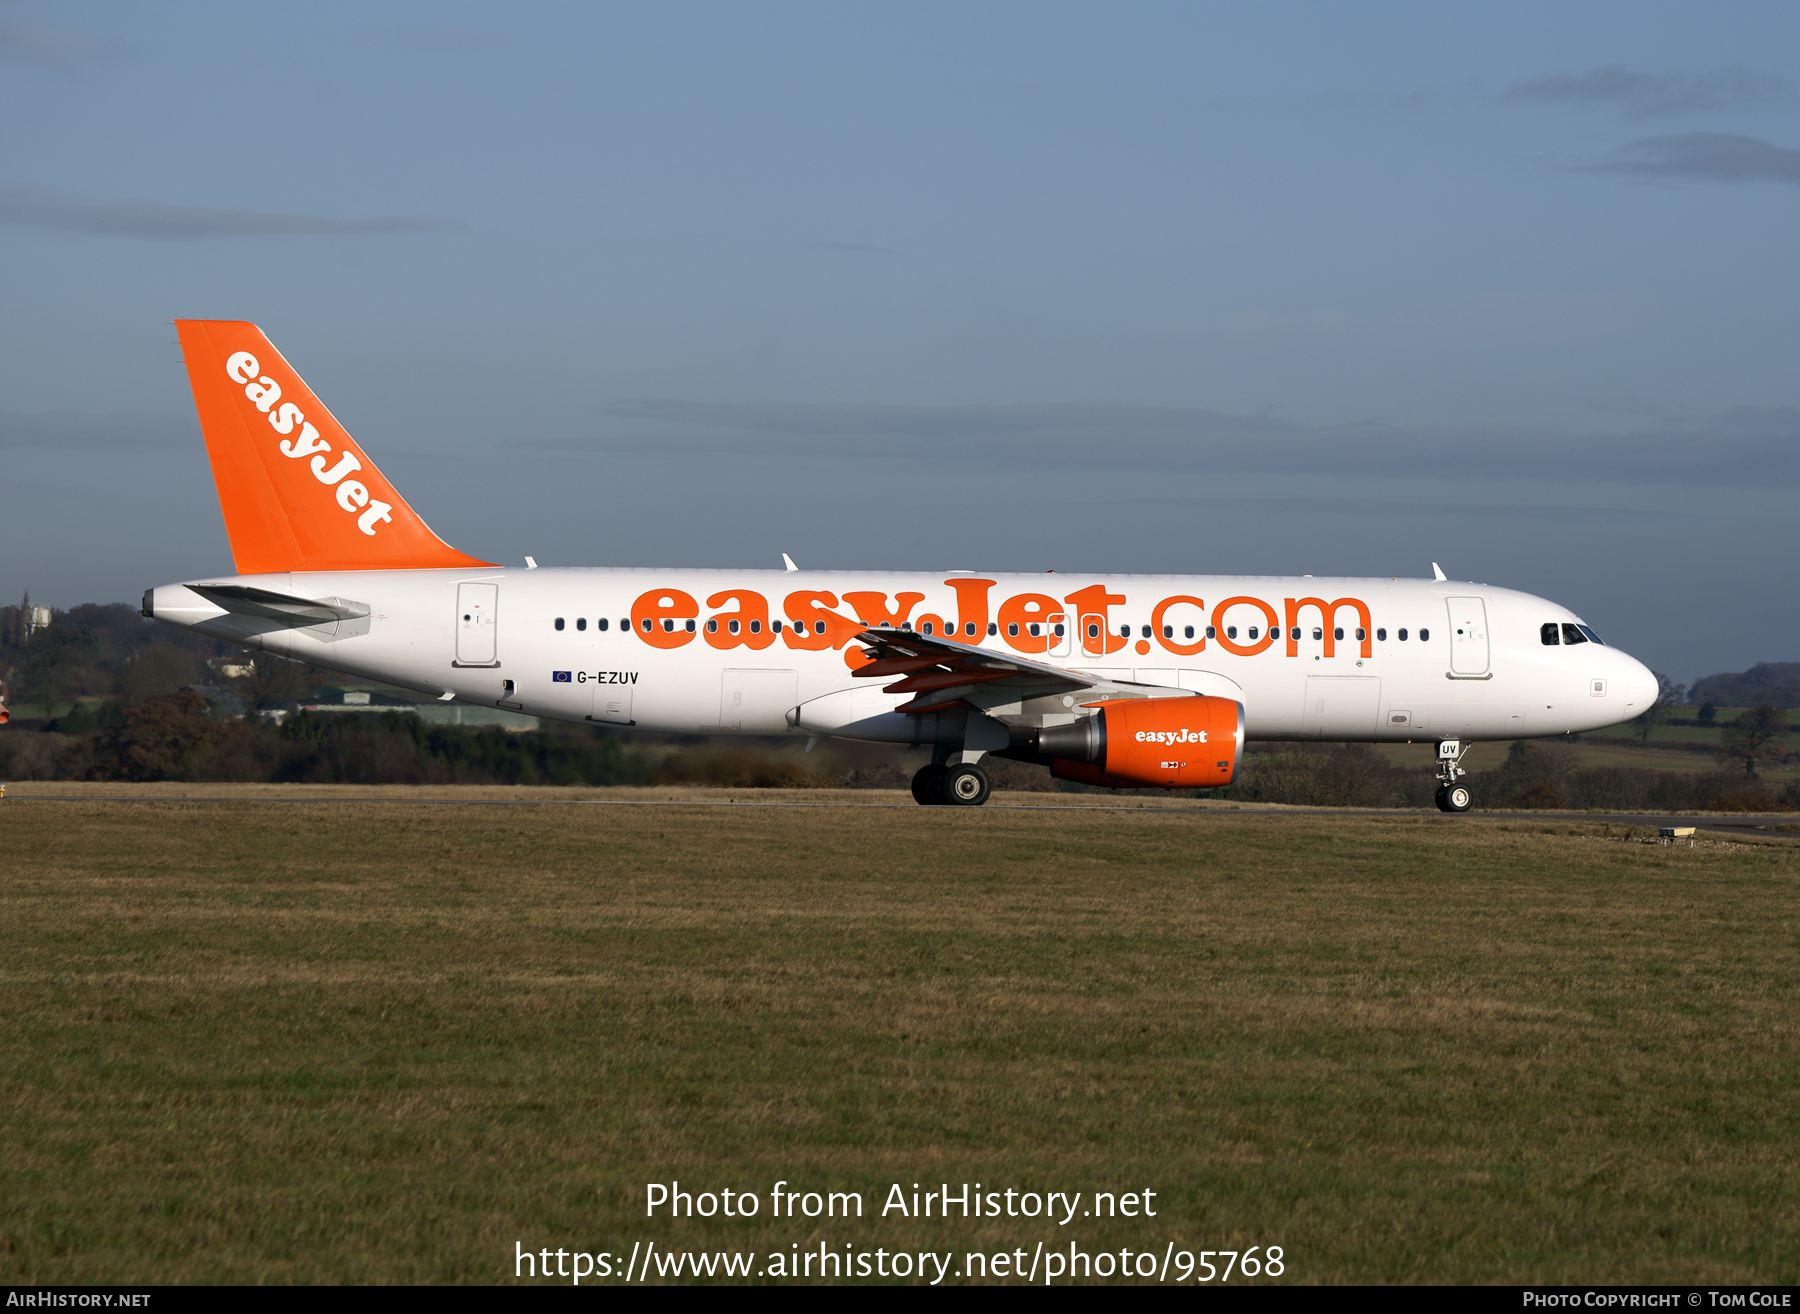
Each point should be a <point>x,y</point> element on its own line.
<point>36,618</point>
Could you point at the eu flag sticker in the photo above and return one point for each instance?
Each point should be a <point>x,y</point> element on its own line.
<point>559,677</point>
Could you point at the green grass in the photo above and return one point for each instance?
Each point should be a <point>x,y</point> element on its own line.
<point>264,1043</point>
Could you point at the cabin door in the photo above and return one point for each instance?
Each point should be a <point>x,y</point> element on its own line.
<point>477,608</point>
<point>1468,636</point>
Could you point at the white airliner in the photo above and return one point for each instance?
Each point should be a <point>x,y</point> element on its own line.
<point>1125,680</point>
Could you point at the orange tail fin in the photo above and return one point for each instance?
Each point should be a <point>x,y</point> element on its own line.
<point>297,491</point>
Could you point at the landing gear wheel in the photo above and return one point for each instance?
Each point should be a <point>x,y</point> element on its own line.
<point>928,785</point>
<point>1454,798</point>
<point>966,786</point>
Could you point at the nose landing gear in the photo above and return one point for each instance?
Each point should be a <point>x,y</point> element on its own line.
<point>1452,797</point>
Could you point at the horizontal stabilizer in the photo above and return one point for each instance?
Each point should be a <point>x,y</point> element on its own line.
<point>242,600</point>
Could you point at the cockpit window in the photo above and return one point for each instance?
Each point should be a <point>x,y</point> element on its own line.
<point>1589,631</point>
<point>1550,634</point>
<point>1573,634</point>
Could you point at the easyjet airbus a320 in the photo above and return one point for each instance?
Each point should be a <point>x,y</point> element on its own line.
<point>1123,680</point>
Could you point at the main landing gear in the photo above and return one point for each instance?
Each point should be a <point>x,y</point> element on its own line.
<point>1452,797</point>
<point>962,785</point>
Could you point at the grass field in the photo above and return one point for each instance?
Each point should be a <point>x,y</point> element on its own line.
<point>255,1042</point>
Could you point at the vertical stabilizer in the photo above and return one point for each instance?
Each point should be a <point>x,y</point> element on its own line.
<point>297,492</point>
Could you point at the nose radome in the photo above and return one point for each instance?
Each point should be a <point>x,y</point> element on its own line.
<point>1637,683</point>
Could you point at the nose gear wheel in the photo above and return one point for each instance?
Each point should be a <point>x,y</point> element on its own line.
<point>1452,797</point>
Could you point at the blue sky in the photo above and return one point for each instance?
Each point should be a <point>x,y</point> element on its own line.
<point>1263,288</point>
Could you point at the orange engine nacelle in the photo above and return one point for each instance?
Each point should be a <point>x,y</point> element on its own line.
<point>1175,743</point>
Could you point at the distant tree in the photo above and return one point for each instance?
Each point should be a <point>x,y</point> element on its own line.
<point>1754,737</point>
<point>1708,714</point>
<point>275,681</point>
<point>157,741</point>
<point>1777,683</point>
<point>1534,775</point>
<point>157,668</point>
<point>1668,694</point>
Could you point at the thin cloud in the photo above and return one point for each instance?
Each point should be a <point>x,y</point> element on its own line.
<point>1747,447</point>
<point>39,207</point>
<point>1646,95</point>
<point>92,431</point>
<point>1706,157</point>
<point>59,49</point>
<point>443,40</point>
<point>1361,507</point>
<point>853,248</point>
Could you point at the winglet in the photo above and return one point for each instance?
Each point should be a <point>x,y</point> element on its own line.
<point>296,490</point>
<point>1437,571</point>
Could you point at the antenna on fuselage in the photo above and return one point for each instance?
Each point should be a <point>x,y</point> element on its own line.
<point>788,561</point>
<point>1437,572</point>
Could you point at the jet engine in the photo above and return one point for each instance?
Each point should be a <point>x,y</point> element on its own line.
<point>1176,743</point>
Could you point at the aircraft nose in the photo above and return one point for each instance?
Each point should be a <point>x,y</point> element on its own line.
<point>1638,684</point>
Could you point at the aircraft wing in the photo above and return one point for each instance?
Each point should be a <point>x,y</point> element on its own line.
<point>943,672</point>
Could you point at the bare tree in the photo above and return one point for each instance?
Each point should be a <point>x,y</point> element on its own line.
<point>1668,694</point>
<point>1755,737</point>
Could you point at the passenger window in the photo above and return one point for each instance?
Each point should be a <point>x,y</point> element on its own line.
<point>1339,633</point>
<point>1012,630</point>
<point>712,627</point>
<point>1424,636</point>
<point>625,623</point>
<point>581,623</point>
<point>732,626</point>
<point>1379,634</point>
<point>1169,631</point>
<point>818,627</point>
<point>1402,636</point>
<point>1319,633</point>
<point>1211,633</point>
<point>1146,633</point>
<point>1253,632</point>
<point>1033,629</point>
<point>969,629</point>
<point>1187,632</point>
<point>1093,631</point>
<point>755,626</point>
<point>1573,634</point>
<point>994,628</point>
<point>1231,631</point>
<point>1361,634</point>
<point>1058,629</point>
<point>1549,635</point>
<point>601,624</point>
<point>668,626</point>
<point>1124,631</point>
<point>926,628</point>
<point>559,622</point>
<point>775,626</point>
<point>647,625</point>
